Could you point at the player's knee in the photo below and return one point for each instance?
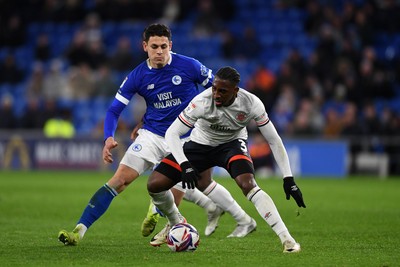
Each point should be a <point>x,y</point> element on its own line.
<point>152,186</point>
<point>204,181</point>
<point>246,182</point>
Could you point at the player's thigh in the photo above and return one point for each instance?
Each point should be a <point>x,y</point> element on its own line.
<point>159,182</point>
<point>145,152</point>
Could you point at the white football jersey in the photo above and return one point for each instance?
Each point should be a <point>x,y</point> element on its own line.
<point>217,125</point>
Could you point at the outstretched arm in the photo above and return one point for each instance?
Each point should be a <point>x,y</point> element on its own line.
<point>278,149</point>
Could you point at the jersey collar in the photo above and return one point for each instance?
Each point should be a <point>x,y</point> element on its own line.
<point>169,61</point>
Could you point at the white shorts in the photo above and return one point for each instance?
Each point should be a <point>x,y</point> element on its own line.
<point>146,151</point>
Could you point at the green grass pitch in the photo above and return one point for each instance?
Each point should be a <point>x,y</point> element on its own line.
<point>347,222</point>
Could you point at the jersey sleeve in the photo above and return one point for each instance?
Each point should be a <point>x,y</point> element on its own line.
<point>204,75</point>
<point>192,112</point>
<point>121,100</point>
<point>260,115</point>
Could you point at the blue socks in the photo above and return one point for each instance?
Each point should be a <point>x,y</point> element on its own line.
<point>98,204</point>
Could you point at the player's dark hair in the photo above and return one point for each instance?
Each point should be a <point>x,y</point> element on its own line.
<point>156,29</point>
<point>229,74</point>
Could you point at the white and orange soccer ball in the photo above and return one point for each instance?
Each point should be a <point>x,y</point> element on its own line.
<point>183,237</point>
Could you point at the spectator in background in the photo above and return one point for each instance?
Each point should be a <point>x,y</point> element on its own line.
<point>287,75</point>
<point>333,124</point>
<point>364,28</point>
<point>71,11</point>
<point>55,82</point>
<point>171,11</point>
<point>91,28</point>
<point>97,55</point>
<point>13,32</point>
<point>104,83</point>
<point>104,9</point>
<point>249,46</point>
<point>123,58</point>
<point>60,126</point>
<point>33,116</point>
<point>228,46</point>
<point>375,81</point>
<point>207,21</point>
<point>9,71</point>
<point>308,121</point>
<point>261,156</point>
<point>80,82</point>
<point>370,120</point>
<point>297,65</point>
<point>35,83</point>
<point>314,18</point>
<point>42,48</point>
<point>313,90</point>
<point>261,83</point>
<point>283,112</point>
<point>8,119</point>
<point>351,130</point>
<point>77,51</point>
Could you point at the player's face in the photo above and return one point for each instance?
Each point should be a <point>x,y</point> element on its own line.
<point>224,92</point>
<point>158,49</point>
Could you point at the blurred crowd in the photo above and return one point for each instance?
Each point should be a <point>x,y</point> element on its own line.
<point>347,86</point>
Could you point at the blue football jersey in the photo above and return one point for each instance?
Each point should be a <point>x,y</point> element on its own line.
<point>167,91</point>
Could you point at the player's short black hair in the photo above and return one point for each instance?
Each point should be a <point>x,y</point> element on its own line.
<point>229,74</point>
<point>156,29</point>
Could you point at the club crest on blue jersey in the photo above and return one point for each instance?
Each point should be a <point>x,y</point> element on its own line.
<point>137,147</point>
<point>204,71</point>
<point>176,80</point>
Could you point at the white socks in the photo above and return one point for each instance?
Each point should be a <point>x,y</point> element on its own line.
<point>268,211</point>
<point>165,203</point>
<point>82,230</point>
<point>224,199</point>
<point>198,198</point>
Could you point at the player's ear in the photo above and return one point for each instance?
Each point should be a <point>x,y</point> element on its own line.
<point>144,44</point>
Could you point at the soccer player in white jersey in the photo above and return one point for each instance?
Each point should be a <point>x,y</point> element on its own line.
<point>167,82</point>
<point>218,117</point>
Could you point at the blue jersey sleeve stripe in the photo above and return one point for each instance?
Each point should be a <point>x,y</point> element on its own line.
<point>122,99</point>
<point>206,81</point>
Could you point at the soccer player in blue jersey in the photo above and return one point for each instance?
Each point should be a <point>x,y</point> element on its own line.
<point>167,82</point>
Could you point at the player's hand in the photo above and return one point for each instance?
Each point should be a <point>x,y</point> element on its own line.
<point>291,189</point>
<point>109,144</point>
<point>134,133</point>
<point>189,175</point>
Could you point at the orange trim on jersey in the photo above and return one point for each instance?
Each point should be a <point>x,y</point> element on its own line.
<point>172,164</point>
<point>188,124</point>
<point>237,157</point>
<point>262,123</point>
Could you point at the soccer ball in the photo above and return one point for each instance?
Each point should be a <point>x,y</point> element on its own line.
<point>183,237</point>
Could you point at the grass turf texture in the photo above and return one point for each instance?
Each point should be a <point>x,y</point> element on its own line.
<point>350,222</point>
